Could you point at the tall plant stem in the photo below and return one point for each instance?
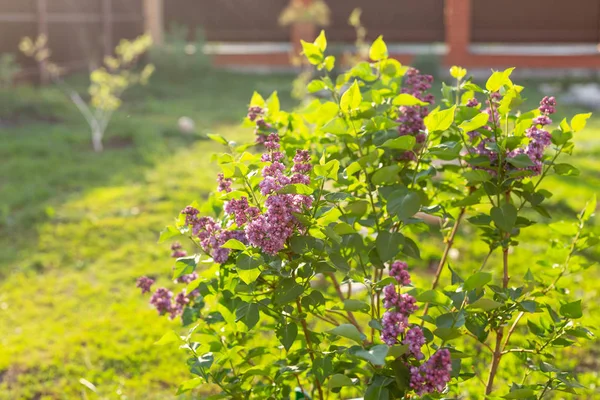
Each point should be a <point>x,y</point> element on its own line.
<point>449,244</point>
<point>309,346</point>
<point>338,290</point>
<point>500,330</point>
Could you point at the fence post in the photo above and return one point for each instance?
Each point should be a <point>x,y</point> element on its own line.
<point>42,22</point>
<point>153,19</point>
<point>107,27</point>
<point>457,15</point>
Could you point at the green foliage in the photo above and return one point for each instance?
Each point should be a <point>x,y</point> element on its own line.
<point>370,193</point>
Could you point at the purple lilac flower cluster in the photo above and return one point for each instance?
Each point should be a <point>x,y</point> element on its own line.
<point>177,250</point>
<point>411,117</point>
<point>268,230</point>
<point>271,229</point>
<point>144,283</point>
<point>256,114</point>
<point>399,305</point>
<point>482,147</point>
<point>212,236</point>
<point>162,300</point>
<point>432,375</point>
<point>224,184</point>
<point>539,139</point>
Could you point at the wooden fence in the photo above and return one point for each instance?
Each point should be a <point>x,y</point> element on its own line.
<point>80,32</point>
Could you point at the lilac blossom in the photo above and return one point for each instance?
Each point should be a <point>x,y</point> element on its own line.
<point>161,300</point>
<point>411,118</point>
<point>187,278</point>
<point>399,306</point>
<point>399,271</point>
<point>144,283</point>
<point>415,340</point>
<point>224,183</point>
<point>433,375</point>
<point>177,250</point>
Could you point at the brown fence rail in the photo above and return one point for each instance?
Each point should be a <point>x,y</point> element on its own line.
<point>398,20</point>
<point>536,21</point>
<point>230,20</point>
<point>80,32</point>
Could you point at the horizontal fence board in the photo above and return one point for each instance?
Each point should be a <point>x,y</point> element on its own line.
<point>397,21</point>
<point>230,20</point>
<point>540,21</point>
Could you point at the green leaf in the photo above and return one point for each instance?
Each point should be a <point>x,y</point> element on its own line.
<point>411,249</point>
<point>504,217</point>
<point>329,62</point>
<point>312,52</point>
<point>248,313</point>
<point>249,275</point>
<point>169,337</point>
<point>273,103</point>
<point>248,268</point>
<point>356,305</point>
<point>474,123</point>
<point>184,266</point>
<point>218,138</point>
<point>189,385</point>
<point>387,174</point>
<point>375,355</point>
<point>287,333</point>
<point>168,233</point>
<point>388,244</point>
<point>579,121</point>
<point>316,86</point>
<point>404,204</point>
<point>234,244</point>
<point>440,120</point>
<point>377,390</point>
<point>339,380</point>
<point>447,333</point>
<point>485,304</point>
<point>477,280</point>
<point>571,310</point>
<point>337,126</point>
<point>519,394</point>
<point>520,161</point>
<point>328,170</point>
<point>565,169</point>
<point>348,331</point>
<point>296,188</point>
<point>351,98</point>
<point>287,291</point>
<point>378,50</point>
<point>257,100</point>
<point>498,79</point>
<point>321,41</point>
<point>477,175</point>
<point>401,143</point>
<point>434,297</point>
<point>405,99</point>
<point>590,208</point>
<point>402,374</point>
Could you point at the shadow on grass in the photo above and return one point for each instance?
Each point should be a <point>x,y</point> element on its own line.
<point>46,148</point>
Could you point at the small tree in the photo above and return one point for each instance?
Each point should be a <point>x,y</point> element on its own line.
<point>108,83</point>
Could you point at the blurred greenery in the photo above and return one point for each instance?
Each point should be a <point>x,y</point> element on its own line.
<point>77,228</point>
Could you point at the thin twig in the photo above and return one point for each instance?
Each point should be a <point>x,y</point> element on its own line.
<point>440,268</point>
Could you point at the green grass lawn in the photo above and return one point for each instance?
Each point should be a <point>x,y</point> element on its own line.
<point>77,228</point>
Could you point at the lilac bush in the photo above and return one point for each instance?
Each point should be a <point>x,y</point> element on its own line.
<point>302,278</point>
